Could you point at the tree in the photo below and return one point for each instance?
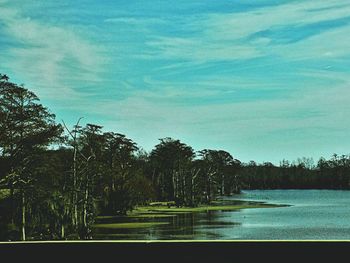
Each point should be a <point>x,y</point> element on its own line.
<point>220,170</point>
<point>171,160</point>
<point>26,127</point>
<point>120,161</point>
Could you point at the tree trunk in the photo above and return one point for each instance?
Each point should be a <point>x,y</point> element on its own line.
<point>192,191</point>
<point>184,199</point>
<point>222,184</point>
<point>86,206</point>
<point>209,190</point>
<point>62,231</point>
<point>194,175</point>
<point>75,192</point>
<point>178,189</point>
<point>12,205</point>
<point>174,185</point>
<point>23,218</point>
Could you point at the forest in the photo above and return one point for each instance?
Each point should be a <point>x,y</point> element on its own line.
<point>55,179</point>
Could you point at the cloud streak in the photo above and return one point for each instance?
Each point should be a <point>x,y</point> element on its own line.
<point>49,57</point>
<point>234,36</point>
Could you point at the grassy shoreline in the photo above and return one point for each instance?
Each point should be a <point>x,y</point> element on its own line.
<point>161,210</point>
<point>143,210</point>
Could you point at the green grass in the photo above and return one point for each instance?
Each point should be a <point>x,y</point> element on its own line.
<point>162,203</point>
<point>139,214</point>
<point>151,215</point>
<point>161,209</point>
<point>129,225</point>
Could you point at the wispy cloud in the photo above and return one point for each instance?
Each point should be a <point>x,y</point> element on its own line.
<point>49,57</point>
<point>297,13</point>
<point>201,50</point>
<point>331,44</point>
<point>234,36</point>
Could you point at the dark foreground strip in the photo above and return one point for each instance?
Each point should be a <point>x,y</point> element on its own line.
<point>179,251</point>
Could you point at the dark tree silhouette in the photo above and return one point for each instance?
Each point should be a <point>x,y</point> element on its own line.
<point>26,127</point>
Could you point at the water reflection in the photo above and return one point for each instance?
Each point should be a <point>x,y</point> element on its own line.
<point>185,226</point>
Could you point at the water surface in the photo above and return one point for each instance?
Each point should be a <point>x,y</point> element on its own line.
<point>312,215</point>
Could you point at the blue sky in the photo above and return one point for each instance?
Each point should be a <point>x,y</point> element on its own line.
<point>264,80</point>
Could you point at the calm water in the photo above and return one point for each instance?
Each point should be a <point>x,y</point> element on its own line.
<point>313,214</point>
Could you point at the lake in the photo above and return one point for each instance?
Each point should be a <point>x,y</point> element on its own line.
<point>312,215</point>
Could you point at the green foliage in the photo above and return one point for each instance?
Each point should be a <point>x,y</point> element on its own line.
<point>171,160</point>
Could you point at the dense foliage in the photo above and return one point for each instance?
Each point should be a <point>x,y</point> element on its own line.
<point>55,179</point>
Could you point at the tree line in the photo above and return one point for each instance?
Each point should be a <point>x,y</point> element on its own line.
<point>300,174</point>
<point>55,179</point>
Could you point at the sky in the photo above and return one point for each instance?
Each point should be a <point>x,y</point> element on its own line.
<point>264,80</point>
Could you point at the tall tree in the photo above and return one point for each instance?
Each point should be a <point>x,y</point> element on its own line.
<point>26,127</point>
<point>120,161</point>
<point>219,168</point>
<point>171,160</point>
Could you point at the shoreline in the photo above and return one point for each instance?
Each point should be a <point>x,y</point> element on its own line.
<point>144,214</point>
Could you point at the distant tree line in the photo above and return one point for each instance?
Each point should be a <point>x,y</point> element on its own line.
<point>300,174</point>
<point>55,179</point>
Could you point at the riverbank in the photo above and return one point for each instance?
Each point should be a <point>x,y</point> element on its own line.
<point>149,216</point>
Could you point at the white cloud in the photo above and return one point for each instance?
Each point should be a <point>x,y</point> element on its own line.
<point>329,45</point>
<point>49,56</point>
<point>222,37</point>
<point>298,13</point>
<point>201,49</point>
<point>309,110</point>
